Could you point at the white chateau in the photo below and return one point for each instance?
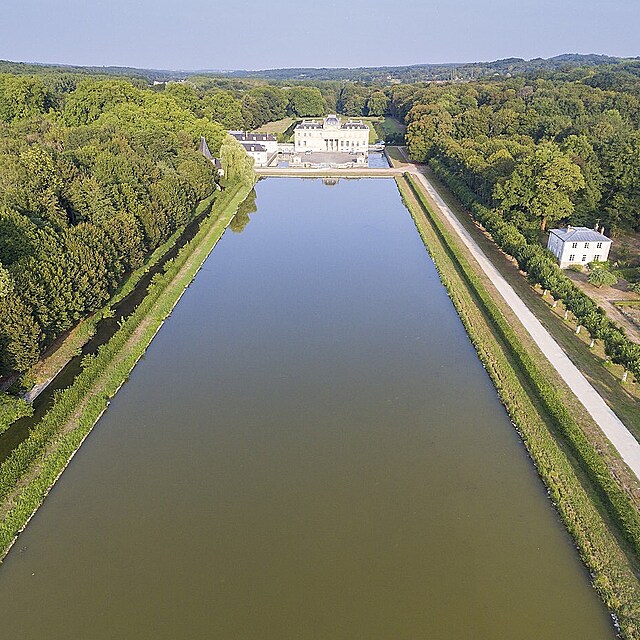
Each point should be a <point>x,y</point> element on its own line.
<point>331,135</point>
<point>578,245</point>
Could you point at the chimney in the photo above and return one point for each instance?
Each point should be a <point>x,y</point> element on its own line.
<point>602,230</point>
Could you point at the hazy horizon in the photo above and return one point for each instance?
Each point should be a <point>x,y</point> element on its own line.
<point>257,69</point>
<point>252,35</point>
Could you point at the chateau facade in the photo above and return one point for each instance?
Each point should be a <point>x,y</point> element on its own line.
<point>332,136</point>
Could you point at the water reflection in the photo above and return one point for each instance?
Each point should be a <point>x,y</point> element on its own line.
<point>242,219</point>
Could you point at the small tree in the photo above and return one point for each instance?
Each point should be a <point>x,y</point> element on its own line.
<point>602,277</point>
<point>596,324</point>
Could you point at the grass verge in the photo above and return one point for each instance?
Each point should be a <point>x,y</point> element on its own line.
<point>27,475</point>
<point>503,357</point>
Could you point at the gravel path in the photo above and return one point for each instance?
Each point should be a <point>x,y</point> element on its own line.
<point>626,445</point>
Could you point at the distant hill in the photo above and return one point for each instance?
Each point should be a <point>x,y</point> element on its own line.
<point>385,75</point>
<point>433,72</point>
<point>148,75</point>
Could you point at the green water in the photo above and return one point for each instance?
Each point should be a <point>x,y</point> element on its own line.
<point>310,449</point>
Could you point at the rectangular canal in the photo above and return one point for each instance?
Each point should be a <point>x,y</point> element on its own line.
<point>310,449</point>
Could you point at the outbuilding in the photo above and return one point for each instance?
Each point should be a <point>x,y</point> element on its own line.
<point>267,140</point>
<point>578,245</point>
<point>258,152</point>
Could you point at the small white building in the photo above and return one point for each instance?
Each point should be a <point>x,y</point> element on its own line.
<point>258,152</point>
<point>578,245</point>
<point>331,135</point>
<point>267,140</point>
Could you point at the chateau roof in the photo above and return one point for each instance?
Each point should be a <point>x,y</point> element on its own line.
<point>243,136</point>
<point>579,234</point>
<point>332,121</point>
<point>309,124</point>
<point>253,147</point>
<point>354,124</point>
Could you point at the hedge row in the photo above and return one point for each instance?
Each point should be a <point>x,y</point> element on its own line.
<point>11,409</point>
<point>541,268</point>
<point>46,445</point>
<point>612,576</point>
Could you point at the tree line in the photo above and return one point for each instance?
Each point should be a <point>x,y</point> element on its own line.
<point>92,181</point>
<point>524,154</point>
<point>540,151</point>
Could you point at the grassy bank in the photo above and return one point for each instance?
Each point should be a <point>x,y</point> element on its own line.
<point>33,467</point>
<point>533,411</point>
<point>57,356</point>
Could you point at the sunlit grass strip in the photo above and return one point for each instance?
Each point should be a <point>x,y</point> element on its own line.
<point>40,459</point>
<point>487,328</point>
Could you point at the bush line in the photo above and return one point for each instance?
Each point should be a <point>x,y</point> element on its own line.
<point>612,576</point>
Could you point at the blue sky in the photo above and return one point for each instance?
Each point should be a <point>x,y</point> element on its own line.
<point>259,34</point>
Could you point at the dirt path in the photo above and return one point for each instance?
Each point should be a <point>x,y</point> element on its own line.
<point>605,297</point>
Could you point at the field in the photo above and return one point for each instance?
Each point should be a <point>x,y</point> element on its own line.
<point>283,129</point>
<point>277,126</point>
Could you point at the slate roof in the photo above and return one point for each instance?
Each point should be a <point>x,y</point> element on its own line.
<point>354,125</point>
<point>243,136</point>
<point>253,147</point>
<point>332,121</point>
<point>309,124</point>
<point>579,234</point>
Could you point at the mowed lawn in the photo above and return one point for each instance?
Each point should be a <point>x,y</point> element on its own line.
<point>277,126</point>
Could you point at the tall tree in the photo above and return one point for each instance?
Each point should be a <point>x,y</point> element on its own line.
<point>541,186</point>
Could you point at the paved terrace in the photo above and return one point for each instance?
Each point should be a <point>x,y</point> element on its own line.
<point>613,428</point>
<point>351,172</point>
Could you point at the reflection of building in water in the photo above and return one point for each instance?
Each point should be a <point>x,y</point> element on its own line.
<point>330,182</point>
<point>332,135</point>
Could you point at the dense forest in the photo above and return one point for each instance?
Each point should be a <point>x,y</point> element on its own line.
<point>98,171</point>
<point>540,150</point>
<point>91,181</point>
